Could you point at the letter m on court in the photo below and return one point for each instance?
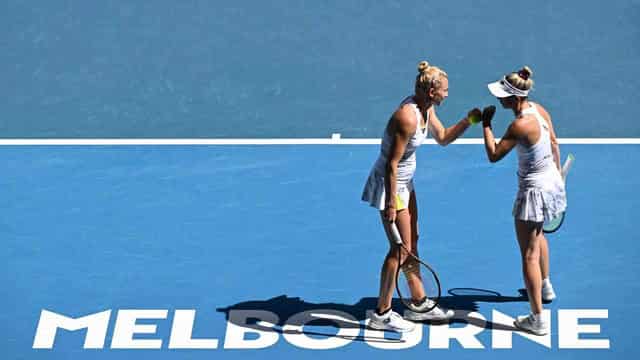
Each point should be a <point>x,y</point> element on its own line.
<point>96,325</point>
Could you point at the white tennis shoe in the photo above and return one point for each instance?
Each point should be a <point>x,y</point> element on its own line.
<point>532,325</point>
<point>436,314</point>
<point>391,321</point>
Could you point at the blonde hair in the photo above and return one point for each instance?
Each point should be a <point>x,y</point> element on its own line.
<point>429,76</point>
<point>521,79</point>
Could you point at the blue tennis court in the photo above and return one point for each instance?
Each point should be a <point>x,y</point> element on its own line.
<point>252,251</point>
<point>227,229</point>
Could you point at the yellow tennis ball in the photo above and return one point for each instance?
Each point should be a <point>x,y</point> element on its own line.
<point>474,119</point>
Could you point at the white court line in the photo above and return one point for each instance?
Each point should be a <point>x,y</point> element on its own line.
<point>334,140</point>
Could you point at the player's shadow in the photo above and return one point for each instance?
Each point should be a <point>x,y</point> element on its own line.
<point>294,315</point>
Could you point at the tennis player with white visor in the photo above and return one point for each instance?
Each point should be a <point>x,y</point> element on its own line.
<point>541,190</point>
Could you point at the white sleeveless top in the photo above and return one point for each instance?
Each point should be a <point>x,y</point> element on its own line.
<point>535,162</point>
<point>407,164</point>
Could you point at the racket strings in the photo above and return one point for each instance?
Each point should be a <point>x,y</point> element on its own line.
<point>411,268</point>
<point>412,281</point>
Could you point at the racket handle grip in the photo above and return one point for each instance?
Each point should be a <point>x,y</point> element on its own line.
<point>396,233</point>
<point>566,166</point>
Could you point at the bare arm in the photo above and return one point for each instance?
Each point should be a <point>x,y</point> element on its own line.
<point>496,151</point>
<point>402,126</point>
<point>445,136</point>
<point>555,147</point>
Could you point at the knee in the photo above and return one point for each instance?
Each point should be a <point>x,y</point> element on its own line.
<point>531,256</point>
<point>392,255</point>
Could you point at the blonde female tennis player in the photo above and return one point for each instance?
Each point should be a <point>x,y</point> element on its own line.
<point>541,195</point>
<point>389,187</point>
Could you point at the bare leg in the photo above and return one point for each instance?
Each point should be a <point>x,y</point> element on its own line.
<point>415,278</point>
<point>529,238</point>
<point>390,265</point>
<point>544,257</point>
<point>413,209</point>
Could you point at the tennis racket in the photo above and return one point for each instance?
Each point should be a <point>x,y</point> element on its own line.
<point>417,284</point>
<point>554,224</point>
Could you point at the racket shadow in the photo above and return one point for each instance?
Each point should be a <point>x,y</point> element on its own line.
<point>467,299</point>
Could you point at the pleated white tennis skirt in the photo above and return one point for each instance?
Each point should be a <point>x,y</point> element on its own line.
<point>540,197</point>
<point>374,192</point>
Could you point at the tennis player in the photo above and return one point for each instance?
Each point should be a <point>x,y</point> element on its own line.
<point>541,194</point>
<point>389,189</point>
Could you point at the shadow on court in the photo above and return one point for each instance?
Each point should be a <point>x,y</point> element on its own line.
<point>294,315</point>
<point>523,293</point>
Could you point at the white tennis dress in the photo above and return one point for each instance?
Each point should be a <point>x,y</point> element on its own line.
<point>541,193</point>
<point>374,191</point>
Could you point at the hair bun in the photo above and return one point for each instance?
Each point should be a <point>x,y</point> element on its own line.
<point>525,73</point>
<point>423,66</point>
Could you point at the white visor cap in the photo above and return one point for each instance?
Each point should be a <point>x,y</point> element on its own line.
<point>503,89</point>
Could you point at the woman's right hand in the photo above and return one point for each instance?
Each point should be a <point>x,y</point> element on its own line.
<point>390,214</point>
<point>487,115</point>
<point>474,116</point>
